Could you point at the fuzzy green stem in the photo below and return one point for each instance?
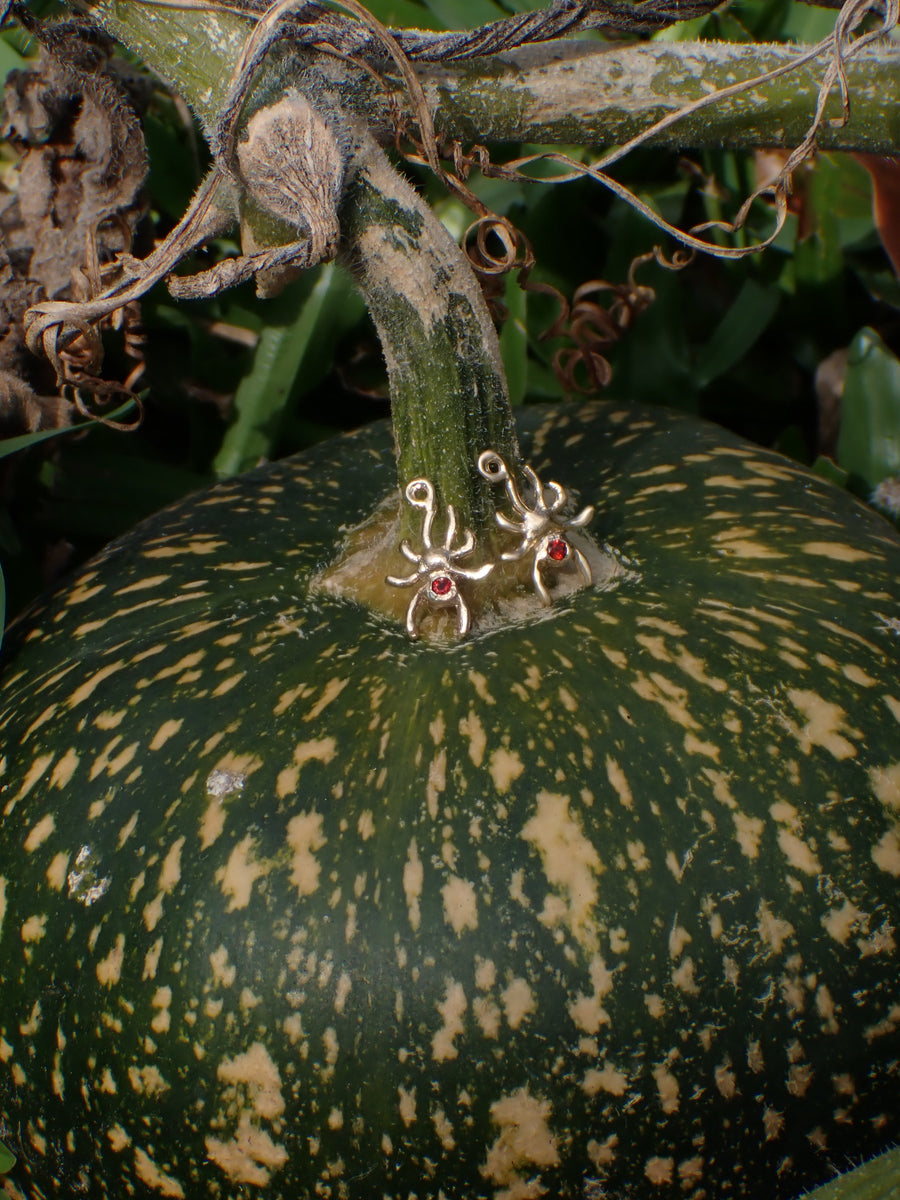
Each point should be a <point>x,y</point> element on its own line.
<point>576,93</point>
<point>448,391</point>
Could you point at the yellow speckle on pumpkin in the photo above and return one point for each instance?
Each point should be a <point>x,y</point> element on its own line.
<point>460,905</point>
<point>33,928</point>
<point>773,930</point>
<point>240,873</point>
<point>825,725</point>
<point>119,1140</point>
<point>885,784</point>
<point>505,767</point>
<point>330,693</point>
<point>837,551</point>
<point>886,854</point>
<point>249,1157</point>
<point>147,1080</point>
<point>161,1020</point>
<point>318,750</point>
<point>155,1179</point>
<point>413,878</point>
<point>451,1009</point>
<point>659,1170</point>
<point>472,728</point>
<point>109,969</point>
<point>255,1072</point>
<point>167,730</point>
<point>305,837</point>
<point>616,777</point>
<point>518,1002</point>
<point>606,1079</point>
<point>840,923</point>
<point>407,1105</point>
<point>32,775</point>
<point>39,832</point>
<point>436,782</point>
<point>587,1011</point>
<point>224,972</point>
<point>571,865</point>
<point>668,1088</point>
<point>694,745</point>
<point>525,1143</point>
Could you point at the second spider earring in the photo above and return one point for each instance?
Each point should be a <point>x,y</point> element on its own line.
<point>540,525</point>
<point>436,571</point>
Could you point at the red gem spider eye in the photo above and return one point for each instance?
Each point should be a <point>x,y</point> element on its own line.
<point>442,586</point>
<point>557,549</point>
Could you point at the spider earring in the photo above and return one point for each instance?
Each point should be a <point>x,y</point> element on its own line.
<point>436,571</point>
<point>539,524</point>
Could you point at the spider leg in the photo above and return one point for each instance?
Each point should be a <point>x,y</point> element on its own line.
<point>407,551</point>
<point>427,523</point>
<point>467,546</point>
<point>480,573</point>
<point>450,532</point>
<point>539,585</point>
<point>559,496</point>
<point>411,614</point>
<point>582,519</point>
<point>506,523</point>
<point>462,616</point>
<point>515,555</point>
<point>402,581</point>
<point>537,487</point>
<point>583,564</point>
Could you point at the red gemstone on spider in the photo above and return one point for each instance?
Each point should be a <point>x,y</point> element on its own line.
<point>442,586</point>
<point>557,549</point>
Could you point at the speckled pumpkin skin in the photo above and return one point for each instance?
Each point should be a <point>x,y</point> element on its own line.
<point>599,906</point>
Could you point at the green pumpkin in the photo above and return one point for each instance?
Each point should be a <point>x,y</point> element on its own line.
<point>597,904</point>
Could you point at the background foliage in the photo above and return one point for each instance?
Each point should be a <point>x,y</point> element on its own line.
<point>764,345</point>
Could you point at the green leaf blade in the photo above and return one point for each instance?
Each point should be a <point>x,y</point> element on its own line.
<point>875,1180</point>
<point>514,340</point>
<point>868,445</point>
<point>738,330</point>
<point>7,1159</point>
<point>24,442</point>
<point>292,355</point>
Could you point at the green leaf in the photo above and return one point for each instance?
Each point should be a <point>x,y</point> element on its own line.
<point>466,14</point>
<point>840,189</point>
<point>14,445</point>
<point>875,1180</point>
<point>10,59</point>
<point>828,469</point>
<point>653,359</point>
<point>738,330</point>
<point>292,355</point>
<point>403,14</point>
<point>7,1159</point>
<point>869,441</point>
<point>804,23</point>
<point>514,340</point>
<point>174,169</point>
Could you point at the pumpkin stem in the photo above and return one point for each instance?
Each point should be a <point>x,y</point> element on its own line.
<point>448,391</point>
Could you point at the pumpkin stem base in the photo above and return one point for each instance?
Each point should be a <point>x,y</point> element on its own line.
<point>506,597</point>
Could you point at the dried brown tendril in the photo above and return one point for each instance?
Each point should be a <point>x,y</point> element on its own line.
<point>360,35</point>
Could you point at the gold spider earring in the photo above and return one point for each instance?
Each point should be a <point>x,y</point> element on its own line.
<point>539,524</point>
<point>436,571</point>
